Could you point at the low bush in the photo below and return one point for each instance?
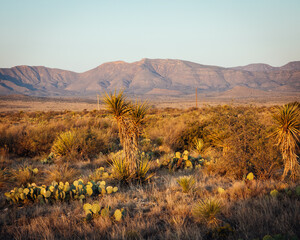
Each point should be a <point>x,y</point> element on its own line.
<point>76,144</point>
<point>24,175</point>
<point>60,173</point>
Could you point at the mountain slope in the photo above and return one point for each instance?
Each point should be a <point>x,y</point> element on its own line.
<point>148,76</point>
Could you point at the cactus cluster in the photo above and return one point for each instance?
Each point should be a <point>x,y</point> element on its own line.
<point>183,161</point>
<point>58,192</point>
<point>99,174</point>
<point>30,169</point>
<point>95,210</point>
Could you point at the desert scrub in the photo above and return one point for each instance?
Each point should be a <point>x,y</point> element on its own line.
<point>25,174</point>
<point>243,144</point>
<point>187,183</point>
<point>186,138</point>
<point>76,144</point>
<point>58,192</point>
<point>60,173</point>
<point>208,211</point>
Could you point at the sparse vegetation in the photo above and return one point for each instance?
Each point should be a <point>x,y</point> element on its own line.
<point>207,173</point>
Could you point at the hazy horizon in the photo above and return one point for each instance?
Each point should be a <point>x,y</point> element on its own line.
<point>78,36</point>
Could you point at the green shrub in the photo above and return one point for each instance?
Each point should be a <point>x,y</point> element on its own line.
<point>123,171</point>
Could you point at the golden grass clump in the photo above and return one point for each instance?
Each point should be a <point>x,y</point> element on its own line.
<point>62,173</point>
<point>24,174</point>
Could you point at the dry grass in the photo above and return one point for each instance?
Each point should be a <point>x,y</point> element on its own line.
<point>61,173</point>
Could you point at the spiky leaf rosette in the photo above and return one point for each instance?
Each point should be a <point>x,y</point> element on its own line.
<point>208,211</point>
<point>287,133</point>
<point>117,104</point>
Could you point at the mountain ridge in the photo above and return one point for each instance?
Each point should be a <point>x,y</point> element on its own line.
<point>148,76</point>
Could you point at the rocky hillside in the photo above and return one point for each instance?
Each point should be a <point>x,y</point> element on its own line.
<point>148,76</point>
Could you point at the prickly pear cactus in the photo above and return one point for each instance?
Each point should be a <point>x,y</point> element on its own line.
<point>59,192</point>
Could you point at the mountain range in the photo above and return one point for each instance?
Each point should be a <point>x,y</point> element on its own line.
<point>149,77</point>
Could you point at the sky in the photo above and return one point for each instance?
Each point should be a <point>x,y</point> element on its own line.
<point>79,35</point>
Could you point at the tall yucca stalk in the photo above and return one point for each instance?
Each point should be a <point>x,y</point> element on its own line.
<point>287,132</point>
<point>129,119</point>
<point>119,107</point>
<point>137,116</point>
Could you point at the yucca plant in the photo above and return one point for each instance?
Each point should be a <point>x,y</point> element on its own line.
<point>142,168</point>
<point>121,170</point>
<point>65,144</point>
<point>198,145</point>
<point>137,114</point>
<point>208,211</point>
<point>119,107</point>
<point>287,133</point>
<point>129,118</point>
<point>187,183</point>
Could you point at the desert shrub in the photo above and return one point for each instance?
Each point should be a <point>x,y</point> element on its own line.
<point>76,144</point>
<point>185,139</point>
<point>24,175</point>
<point>34,141</point>
<point>28,140</point>
<point>244,144</point>
<point>60,173</point>
<point>4,177</point>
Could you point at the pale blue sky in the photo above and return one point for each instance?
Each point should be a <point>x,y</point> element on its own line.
<point>81,34</point>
